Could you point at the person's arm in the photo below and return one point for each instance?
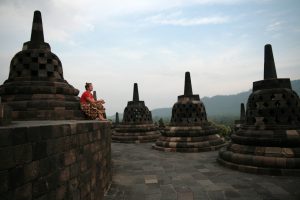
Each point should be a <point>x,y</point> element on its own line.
<point>101,101</point>
<point>90,99</point>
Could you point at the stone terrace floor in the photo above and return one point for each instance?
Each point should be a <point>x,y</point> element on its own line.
<point>140,172</point>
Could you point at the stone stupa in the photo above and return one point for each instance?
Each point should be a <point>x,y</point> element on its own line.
<point>137,125</point>
<point>268,142</point>
<point>47,151</point>
<point>238,123</point>
<point>117,120</point>
<point>36,88</point>
<point>189,130</point>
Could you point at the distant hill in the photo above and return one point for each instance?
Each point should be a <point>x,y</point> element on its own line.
<point>225,104</point>
<point>162,112</point>
<point>296,86</point>
<point>219,105</point>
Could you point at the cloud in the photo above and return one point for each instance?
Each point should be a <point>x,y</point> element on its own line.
<point>116,43</point>
<point>79,16</point>
<point>176,19</point>
<point>275,26</point>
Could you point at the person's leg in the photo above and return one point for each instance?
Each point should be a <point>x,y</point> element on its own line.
<point>86,110</point>
<point>93,112</point>
<point>100,109</point>
<point>101,118</point>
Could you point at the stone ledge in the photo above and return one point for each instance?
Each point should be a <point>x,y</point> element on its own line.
<point>260,164</point>
<point>259,170</point>
<point>135,137</point>
<point>188,150</point>
<point>55,159</point>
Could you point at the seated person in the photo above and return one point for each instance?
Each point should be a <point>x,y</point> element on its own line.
<point>94,109</point>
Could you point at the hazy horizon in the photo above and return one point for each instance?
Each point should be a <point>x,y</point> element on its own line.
<point>117,43</point>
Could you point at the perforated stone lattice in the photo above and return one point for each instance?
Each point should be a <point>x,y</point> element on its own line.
<point>35,88</point>
<point>137,125</point>
<point>35,63</point>
<point>268,142</point>
<point>137,114</point>
<point>276,106</point>
<point>189,112</point>
<point>189,130</point>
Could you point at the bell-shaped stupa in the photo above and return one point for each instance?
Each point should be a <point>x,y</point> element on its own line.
<point>189,130</point>
<point>117,121</point>
<point>137,125</point>
<point>35,88</point>
<point>238,123</point>
<point>268,142</point>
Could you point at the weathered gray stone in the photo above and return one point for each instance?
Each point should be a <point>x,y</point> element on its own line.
<point>268,139</point>
<point>189,130</point>
<point>137,125</point>
<point>35,88</point>
<point>132,162</point>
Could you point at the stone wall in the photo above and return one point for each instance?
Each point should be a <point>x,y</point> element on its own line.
<point>55,160</point>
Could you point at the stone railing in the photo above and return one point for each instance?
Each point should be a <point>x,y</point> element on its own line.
<point>55,160</point>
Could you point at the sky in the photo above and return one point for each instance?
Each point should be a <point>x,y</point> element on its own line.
<point>117,43</point>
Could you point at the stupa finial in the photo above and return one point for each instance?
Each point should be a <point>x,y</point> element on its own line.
<point>117,121</point>
<point>188,91</point>
<point>269,65</point>
<point>242,115</point>
<point>135,92</point>
<point>37,33</point>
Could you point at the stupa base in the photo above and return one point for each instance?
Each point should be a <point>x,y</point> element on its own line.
<point>188,149</point>
<point>189,139</point>
<point>261,160</point>
<point>135,133</point>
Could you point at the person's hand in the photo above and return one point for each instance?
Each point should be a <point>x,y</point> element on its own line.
<point>102,101</point>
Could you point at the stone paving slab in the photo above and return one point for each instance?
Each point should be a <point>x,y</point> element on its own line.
<point>139,172</point>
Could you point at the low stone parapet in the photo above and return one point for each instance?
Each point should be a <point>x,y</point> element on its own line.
<point>55,160</point>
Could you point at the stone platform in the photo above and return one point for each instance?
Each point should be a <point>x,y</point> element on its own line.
<point>273,152</point>
<point>137,125</point>
<point>189,139</point>
<point>66,159</point>
<point>268,141</point>
<point>189,130</point>
<point>140,133</point>
<point>140,173</point>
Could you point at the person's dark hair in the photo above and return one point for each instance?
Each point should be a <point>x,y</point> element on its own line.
<point>87,85</point>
